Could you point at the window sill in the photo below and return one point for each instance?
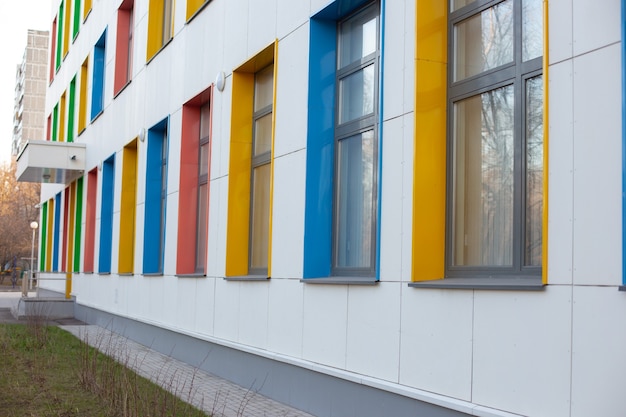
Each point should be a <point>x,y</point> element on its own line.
<point>248,278</point>
<point>341,280</point>
<point>517,284</point>
<point>190,276</point>
<point>122,89</point>
<point>126,274</point>
<point>622,288</point>
<point>152,274</point>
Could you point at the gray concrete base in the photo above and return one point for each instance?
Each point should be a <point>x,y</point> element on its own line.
<point>48,305</point>
<point>314,392</point>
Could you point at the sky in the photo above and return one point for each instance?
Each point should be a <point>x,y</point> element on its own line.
<point>16,17</point>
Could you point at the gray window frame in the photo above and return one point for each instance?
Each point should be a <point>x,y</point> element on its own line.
<point>516,73</point>
<point>354,127</point>
<point>203,179</point>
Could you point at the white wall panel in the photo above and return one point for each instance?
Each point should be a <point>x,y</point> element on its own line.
<point>325,318</point>
<point>522,351</point>
<point>409,55</point>
<point>392,215</point>
<point>290,15</point>
<point>291,92</point>
<point>597,161</point>
<point>436,341</point>
<point>598,359</point>
<point>253,311</point>
<point>394,54</point>
<point>373,330</point>
<point>288,216</point>
<point>218,201</point>
<point>226,309</point>
<point>285,314</point>
<point>595,24</point>
<point>561,168</point>
<point>560,42</point>
<point>407,197</point>
<point>235,33</point>
<point>261,25</point>
<point>205,305</point>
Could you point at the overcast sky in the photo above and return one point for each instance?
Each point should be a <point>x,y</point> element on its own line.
<point>16,17</point>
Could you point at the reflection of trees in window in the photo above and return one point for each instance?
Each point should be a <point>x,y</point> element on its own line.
<point>534,171</point>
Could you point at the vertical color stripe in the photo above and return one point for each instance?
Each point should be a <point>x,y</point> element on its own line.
<point>44,231</point>
<point>62,111</point>
<point>55,122</point>
<point>106,215</point>
<point>76,26</point>
<point>66,204</point>
<point>272,156</point>
<point>59,37</point>
<point>71,216</point>
<point>49,243</point>
<point>71,111</point>
<point>78,222</point>
<point>429,170</point>
<point>66,28</point>
<point>127,209</point>
<point>56,227</point>
<point>82,99</point>
<point>53,46</point>
<point>381,108</point>
<point>90,220</point>
<point>87,9</point>
<point>97,81</point>
<point>624,142</point>
<point>546,147</point>
<point>155,28</point>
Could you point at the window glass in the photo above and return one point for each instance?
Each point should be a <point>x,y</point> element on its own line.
<point>264,88</point>
<point>201,243</point>
<point>532,29</point>
<point>263,134</point>
<point>260,216</point>
<point>484,41</point>
<point>356,94</point>
<point>534,171</point>
<point>359,37</point>
<point>484,179</point>
<point>457,4</point>
<point>167,21</point>
<point>355,191</point>
<point>204,160</point>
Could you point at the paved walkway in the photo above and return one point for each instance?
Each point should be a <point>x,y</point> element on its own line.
<point>214,395</point>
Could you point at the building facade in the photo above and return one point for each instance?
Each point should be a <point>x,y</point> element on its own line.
<point>30,91</point>
<point>358,208</point>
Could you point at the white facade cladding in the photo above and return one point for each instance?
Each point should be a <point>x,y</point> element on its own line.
<point>310,299</point>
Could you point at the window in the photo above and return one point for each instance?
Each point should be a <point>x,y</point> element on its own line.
<point>82,100</point>
<point>78,220</point>
<point>87,9</point>
<point>160,26</point>
<point>248,246</point>
<point>56,231</point>
<point>97,93</point>
<point>128,204</point>
<point>495,172</point>
<point>124,45</point>
<point>341,219</point>
<point>106,215</point>
<point>90,220</point>
<point>193,197</point>
<point>194,6</point>
<point>55,121</point>
<point>156,198</point>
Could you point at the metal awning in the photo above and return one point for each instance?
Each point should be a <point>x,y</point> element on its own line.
<point>44,161</point>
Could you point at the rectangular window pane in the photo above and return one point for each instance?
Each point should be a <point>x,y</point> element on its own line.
<point>201,241</point>
<point>264,88</point>
<point>204,160</point>
<point>263,134</point>
<point>483,179</point>
<point>358,37</point>
<point>457,4</point>
<point>205,118</point>
<point>532,29</point>
<point>484,41</point>
<point>167,21</point>
<point>534,171</point>
<point>356,94</point>
<point>355,201</point>
<point>260,216</point>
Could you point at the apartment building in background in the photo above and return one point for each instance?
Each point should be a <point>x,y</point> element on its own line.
<point>355,207</point>
<point>30,91</point>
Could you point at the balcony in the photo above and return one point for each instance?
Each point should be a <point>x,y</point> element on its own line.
<point>43,161</point>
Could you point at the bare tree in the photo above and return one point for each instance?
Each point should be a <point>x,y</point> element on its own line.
<point>17,210</point>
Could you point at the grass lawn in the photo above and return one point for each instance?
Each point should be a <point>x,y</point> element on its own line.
<point>45,371</point>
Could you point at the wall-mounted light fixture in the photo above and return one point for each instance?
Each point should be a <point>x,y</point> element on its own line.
<point>220,81</point>
<point>142,134</point>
